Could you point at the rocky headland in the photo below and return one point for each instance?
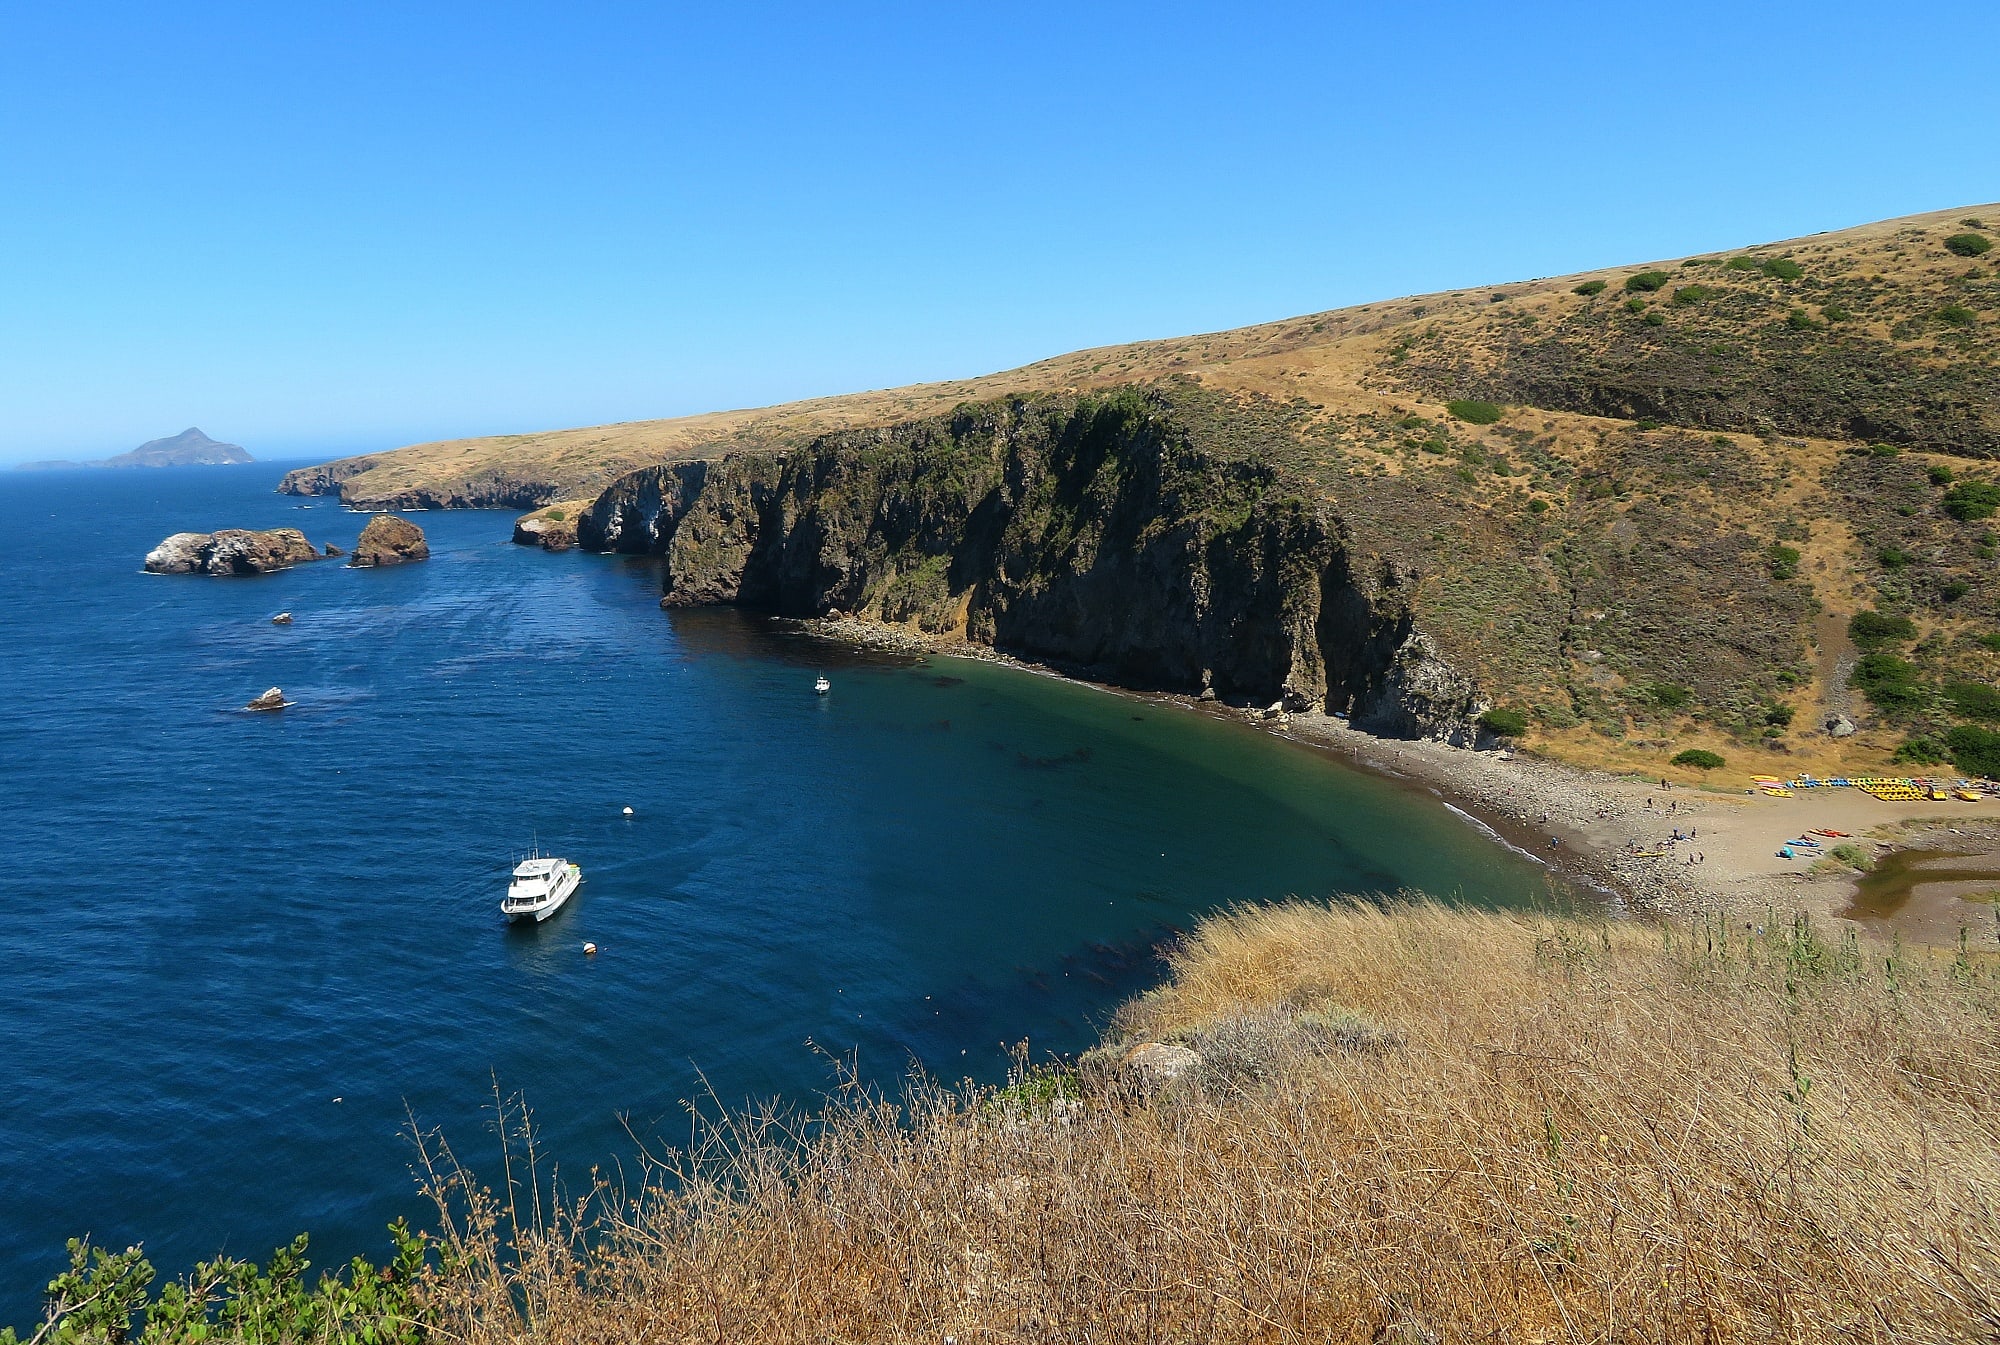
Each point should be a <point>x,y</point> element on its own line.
<point>231,551</point>
<point>388,540</point>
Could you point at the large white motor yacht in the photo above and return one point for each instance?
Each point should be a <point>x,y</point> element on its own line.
<point>541,885</point>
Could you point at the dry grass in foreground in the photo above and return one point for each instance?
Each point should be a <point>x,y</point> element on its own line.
<point>1407,1125</point>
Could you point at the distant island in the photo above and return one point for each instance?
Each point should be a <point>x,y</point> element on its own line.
<point>189,448</point>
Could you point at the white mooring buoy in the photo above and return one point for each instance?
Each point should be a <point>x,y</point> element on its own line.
<point>628,811</point>
<point>590,949</point>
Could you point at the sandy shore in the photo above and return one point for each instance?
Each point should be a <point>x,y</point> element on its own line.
<point>1668,852</point>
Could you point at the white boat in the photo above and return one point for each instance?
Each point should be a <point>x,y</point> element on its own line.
<point>541,885</point>
<point>822,686</point>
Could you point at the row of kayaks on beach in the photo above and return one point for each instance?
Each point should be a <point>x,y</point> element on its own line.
<point>1888,788</point>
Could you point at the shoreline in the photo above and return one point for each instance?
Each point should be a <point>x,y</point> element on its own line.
<point>1613,834</point>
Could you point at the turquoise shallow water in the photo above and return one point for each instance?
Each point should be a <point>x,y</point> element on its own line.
<point>220,922</point>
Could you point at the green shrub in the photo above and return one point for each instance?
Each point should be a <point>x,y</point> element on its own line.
<point>1893,557</point>
<point>1784,561</point>
<point>1647,282</point>
<point>1635,305</point>
<point>1668,696</point>
<point>1975,751</point>
<point>1968,245</point>
<point>1956,315</point>
<point>1647,423</point>
<point>1940,475</point>
<point>1884,451</point>
<point>1969,501</point>
<point>1800,321</point>
<point>1990,640</point>
<point>1692,294</point>
<point>1783,268</point>
<point>1505,723</point>
<point>556,515</point>
<point>1922,752</point>
<point>1781,715</point>
<point>1654,319</point>
<point>1852,855</point>
<point>1698,756</point>
<point>1538,505</point>
<point>1834,313</point>
<point>1741,264</point>
<point>1871,629</point>
<point>1475,413</point>
<point>1974,700</point>
<point>1589,287</point>
<point>1890,683</point>
<point>1955,590</point>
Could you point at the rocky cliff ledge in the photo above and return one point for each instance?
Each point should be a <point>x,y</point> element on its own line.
<point>388,540</point>
<point>1093,532</point>
<point>231,551</point>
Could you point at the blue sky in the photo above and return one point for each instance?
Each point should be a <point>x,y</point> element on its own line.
<point>317,228</point>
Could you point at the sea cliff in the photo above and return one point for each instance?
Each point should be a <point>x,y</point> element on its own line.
<point>1100,533</point>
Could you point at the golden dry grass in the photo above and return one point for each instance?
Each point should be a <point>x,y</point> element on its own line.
<point>1411,1124</point>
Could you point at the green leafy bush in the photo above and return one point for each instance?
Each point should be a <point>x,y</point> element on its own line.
<point>1975,751</point>
<point>1505,723</point>
<point>1853,856</point>
<point>1783,268</point>
<point>1784,561</point>
<point>1538,505</point>
<point>1956,315</point>
<point>1647,424</point>
<point>1955,590</point>
<point>1971,500</point>
<point>1692,294</point>
<point>1940,475</point>
<point>1589,287</point>
<point>1780,715</point>
<point>1893,557</point>
<point>1968,245</point>
<point>1883,451</point>
<point>1741,264</point>
<point>1990,640</point>
<point>1475,413</point>
<point>1890,684</point>
<point>1800,321</point>
<point>1668,696</point>
<point>1871,630</point>
<point>1922,752</point>
<point>1698,756</point>
<point>1647,282</point>
<point>1654,319</point>
<point>1834,313</point>
<point>1635,305</point>
<point>1974,700</point>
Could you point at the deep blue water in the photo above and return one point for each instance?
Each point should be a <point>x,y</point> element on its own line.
<point>218,923</point>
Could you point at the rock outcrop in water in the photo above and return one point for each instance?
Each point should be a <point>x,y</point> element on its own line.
<point>231,551</point>
<point>388,540</point>
<point>1097,533</point>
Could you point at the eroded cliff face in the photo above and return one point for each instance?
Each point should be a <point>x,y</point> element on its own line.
<point>1094,532</point>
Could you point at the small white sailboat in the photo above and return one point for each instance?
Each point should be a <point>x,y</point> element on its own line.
<point>822,686</point>
<point>541,885</point>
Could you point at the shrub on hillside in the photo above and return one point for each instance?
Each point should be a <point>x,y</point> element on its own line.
<point>1800,321</point>
<point>1668,696</point>
<point>1475,413</point>
<point>1890,684</point>
<point>1741,264</point>
<point>1654,319</point>
<point>1968,245</point>
<point>1784,561</point>
<point>1692,294</point>
<point>1974,700</point>
<point>1990,640</point>
<point>1893,557</point>
<point>1647,282</point>
<point>1872,630</point>
<point>1921,752</point>
<point>1538,505</point>
<point>1834,313</point>
<point>1505,723</point>
<point>1971,500</point>
<point>1975,751</point>
<point>1699,757</point>
<point>1955,590</point>
<point>1940,475</point>
<point>1853,856</point>
<point>1956,315</point>
<point>1783,268</point>
<point>1589,287</point>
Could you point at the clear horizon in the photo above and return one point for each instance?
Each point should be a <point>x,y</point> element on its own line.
<point>329,231</point>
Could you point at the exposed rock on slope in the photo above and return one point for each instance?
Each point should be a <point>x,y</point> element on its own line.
<point>232,551</point>
<point>1097,532</point>
<point>388,540</point>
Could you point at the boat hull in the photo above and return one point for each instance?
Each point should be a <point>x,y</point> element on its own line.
<point>565,887</point>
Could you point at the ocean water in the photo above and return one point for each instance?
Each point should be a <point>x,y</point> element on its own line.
<point>243,951</point>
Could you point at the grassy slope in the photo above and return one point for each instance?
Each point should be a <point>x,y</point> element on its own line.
<point>1610,538</point>
<point>1405,1125</point>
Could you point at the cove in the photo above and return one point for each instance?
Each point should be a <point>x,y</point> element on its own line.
<point>224,922</point>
